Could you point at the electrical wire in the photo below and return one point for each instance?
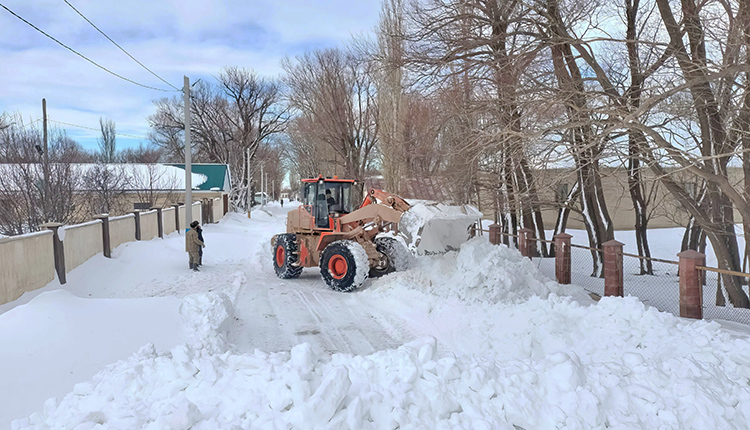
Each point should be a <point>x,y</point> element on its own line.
<point>79,54</point>
<point>121,48</point>
<point>96,129</point>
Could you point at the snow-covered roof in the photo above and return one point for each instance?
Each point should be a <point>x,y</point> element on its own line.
<point>136,175</point>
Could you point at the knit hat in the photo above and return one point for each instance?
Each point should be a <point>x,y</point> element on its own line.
<point>194,224</point>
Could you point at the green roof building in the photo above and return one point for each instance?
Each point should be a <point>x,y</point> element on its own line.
<point>217,176</point>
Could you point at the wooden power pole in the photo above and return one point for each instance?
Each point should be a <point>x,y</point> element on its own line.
<point>188,155</point>
<point>45,166</point>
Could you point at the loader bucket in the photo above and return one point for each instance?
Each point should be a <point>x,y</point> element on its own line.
<point>432,228</point>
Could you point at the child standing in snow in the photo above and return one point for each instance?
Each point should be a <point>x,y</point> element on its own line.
<point>193,245</point>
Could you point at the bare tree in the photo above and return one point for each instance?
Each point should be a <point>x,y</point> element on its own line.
<point>333,90</point>
<point>390,94</point>
<point>22,180</point>
<point>106,184</point>
<point>142,154</point>
<point>479,50</point>
<point>152,185</point>
<point>108,141</point>
<point>230,121</point>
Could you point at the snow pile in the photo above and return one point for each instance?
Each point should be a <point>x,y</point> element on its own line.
<point>431,228</point>
<point>412,387</point>
<point>479,271</point>
<point>207,318</point>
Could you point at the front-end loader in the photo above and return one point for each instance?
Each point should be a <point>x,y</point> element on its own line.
<point>348,243</point>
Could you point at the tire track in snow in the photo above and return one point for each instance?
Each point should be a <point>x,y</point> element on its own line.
<point>330,335</point>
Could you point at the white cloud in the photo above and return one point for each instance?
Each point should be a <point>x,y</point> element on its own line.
<point>171,37</point>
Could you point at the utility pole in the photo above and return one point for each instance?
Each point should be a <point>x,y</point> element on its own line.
<point>262,189</point>
<point>249,197</point>
<point>188,155</point>
<point>45,167</point>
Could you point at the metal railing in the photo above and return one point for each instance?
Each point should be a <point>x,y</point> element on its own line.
<point>655,281</point>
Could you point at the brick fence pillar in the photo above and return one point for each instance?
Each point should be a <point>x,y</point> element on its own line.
<point>562,257</point>
<point>137,218</point>
<point>613,282</point>
<point>525,242</point>
<point>57,250</point>
<point>691,284</point>
<point>159,222</point>
<point>495,234</point>
<point>211,211</point>
<point>106,242</point>
<point>177,218</point>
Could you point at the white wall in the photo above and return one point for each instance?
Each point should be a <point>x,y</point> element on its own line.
<point>81,242</point>
<point>28,263</point>
<point>121,230</point>
<point>167,216</point>
<point>149,225</point>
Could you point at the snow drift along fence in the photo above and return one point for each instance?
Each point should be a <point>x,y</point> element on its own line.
<point>81,242</point>
<point>685,288</point>
<point>29,262</point>
<point>26,263</point>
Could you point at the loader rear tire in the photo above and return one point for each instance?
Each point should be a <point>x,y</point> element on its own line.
<point>344,265</point>
<point>285,254</point>
<point>397,257</point>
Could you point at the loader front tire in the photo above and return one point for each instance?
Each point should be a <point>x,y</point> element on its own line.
<point>344,265</point>
<point>285,254</point>
<point>396,257</point>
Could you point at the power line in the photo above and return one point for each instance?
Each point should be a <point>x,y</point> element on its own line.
<point>121,48</point>
<point>96,129</point>
<point>79,54</point>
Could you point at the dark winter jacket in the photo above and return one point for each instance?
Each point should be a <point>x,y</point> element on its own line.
<point>200,237</point>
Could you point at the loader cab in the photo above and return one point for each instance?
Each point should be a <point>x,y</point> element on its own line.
<point>327,197</point>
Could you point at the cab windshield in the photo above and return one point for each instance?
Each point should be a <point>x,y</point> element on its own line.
<point>339,197</point>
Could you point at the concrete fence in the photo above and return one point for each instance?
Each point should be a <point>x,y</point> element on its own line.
<point>181,218</point>
<point>218,209</point>
<point>26,263</point>
<point>149,225</point>
<point>121,230</point>
<point>29,261</point>
<point>81,242</point>
<point>168,220</point>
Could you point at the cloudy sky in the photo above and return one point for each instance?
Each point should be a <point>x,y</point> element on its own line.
<point>173,38</point>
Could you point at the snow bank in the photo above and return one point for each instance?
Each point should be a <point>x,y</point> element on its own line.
<point>409,387</point>
<point>479,271</point>
<point>207,318</point>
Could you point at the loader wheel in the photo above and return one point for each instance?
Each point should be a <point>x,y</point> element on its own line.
<point>284,255</point>
<point>344,265</point>
<point>395,257</point>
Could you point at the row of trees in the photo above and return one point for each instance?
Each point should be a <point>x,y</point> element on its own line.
<point>654,85</point>
<point>78,183</point>
<point>485,93</point>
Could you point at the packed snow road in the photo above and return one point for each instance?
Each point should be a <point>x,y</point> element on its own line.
<point>475,339</point>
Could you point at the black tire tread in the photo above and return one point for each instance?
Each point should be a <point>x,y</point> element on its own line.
<point>287,270</point>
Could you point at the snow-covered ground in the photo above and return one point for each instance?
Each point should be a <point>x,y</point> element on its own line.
<point>475,339</point>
